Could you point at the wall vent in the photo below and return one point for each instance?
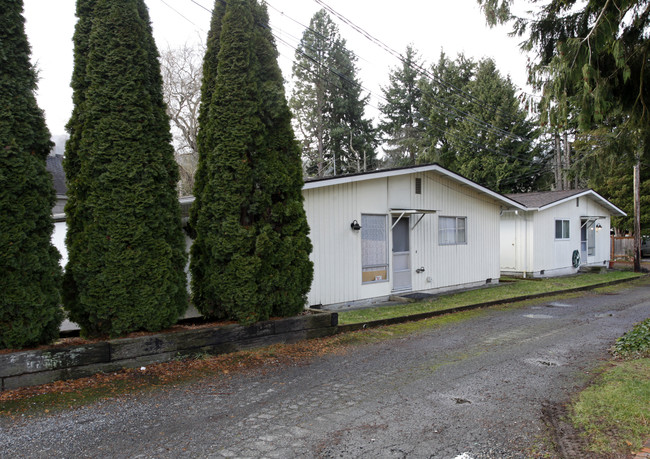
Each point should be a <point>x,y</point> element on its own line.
<point>418,186</point>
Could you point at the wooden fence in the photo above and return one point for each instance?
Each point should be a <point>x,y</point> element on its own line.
<point>622,248</point>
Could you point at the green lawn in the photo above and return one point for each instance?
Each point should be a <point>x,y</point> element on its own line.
<point>503,291</point>
<point>614,413</point>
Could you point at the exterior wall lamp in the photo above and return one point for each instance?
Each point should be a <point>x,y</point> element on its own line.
<point>599,226</point>
<point>355,225</point>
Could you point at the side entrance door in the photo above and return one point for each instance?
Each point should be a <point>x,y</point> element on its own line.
<point>587,240</point>
<point>401,254</point>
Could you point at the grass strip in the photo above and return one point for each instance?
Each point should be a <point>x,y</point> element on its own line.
<point>614,412</point>
<point>517,290</point>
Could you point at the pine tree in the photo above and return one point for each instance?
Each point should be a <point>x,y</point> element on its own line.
<point>477,127</point>
<point>127,254</point>
<point>351,137</point>
<point>30,282</point>
<point>250,259</point>
<point>403,124</point>
<point>494,139</point>
<point>328,103</point>
<point>440,95</point>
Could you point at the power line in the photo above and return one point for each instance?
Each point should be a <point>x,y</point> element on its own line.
<point>391,51</point>
<point>177,12</point>
<point>450,88</point>
<point>470,117</point>
<point>450,109</point>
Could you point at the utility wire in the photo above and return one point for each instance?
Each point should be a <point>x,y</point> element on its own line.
<point>394,53</point>
<point>177,12</point>
<point>450,88</point>
<point>450,109</point>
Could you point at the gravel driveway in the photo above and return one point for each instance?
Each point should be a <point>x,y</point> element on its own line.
<point>471,389</point>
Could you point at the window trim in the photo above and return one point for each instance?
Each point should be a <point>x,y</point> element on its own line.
<point>568,228</point>
<point>456,230</point>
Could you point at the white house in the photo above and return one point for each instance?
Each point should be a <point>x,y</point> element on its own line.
<point>380,233</point>
<point>558,232</point>
<point>414,229</point>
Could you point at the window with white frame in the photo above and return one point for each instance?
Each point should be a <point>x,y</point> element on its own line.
<point>452,230</point>
<point>374,248</point>
<point>562,229</point>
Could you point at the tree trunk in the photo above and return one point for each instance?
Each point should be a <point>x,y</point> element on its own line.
<point>567,162</point>
<point>558,163</point>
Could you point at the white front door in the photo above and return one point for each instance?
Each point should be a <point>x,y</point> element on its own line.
<point>401,254</point>
<point>508,241</point>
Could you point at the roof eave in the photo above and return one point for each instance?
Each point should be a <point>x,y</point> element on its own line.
<point>415,169</point>
<point>614,211</point>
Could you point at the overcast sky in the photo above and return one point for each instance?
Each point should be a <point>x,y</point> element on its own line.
<point>430,25</point>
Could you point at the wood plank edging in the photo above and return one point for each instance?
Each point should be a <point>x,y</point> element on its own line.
<point>35,367</point>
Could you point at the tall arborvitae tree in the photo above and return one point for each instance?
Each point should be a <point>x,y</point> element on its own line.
<point>328,103</point>
<point>127,254</point>
<point>75,186</point>
<point>403,125</point>
<point>30,281</point>
<point>208,84</point>
<point>250,259</point>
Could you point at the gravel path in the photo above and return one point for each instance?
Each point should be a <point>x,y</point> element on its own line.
<point>473,389</point>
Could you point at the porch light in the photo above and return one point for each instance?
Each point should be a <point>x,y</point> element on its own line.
<point>599,226</point>
<point>355,225</point>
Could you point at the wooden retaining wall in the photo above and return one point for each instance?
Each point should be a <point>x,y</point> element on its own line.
<point>29,368</point>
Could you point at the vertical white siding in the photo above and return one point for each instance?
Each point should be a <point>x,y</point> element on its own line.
<point>58,241</point>
<point>449,265</point>
<point>337,249</point>
<point>535,237</point>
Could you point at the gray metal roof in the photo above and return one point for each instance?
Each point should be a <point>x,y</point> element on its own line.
<point>55,166</point>
<point>543,198</point>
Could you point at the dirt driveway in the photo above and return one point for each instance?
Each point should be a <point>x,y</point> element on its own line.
<point>475,388</point>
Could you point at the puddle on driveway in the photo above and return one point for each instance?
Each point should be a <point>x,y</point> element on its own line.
<point>538,316</point>
<point>604,314</point>
<point>558,305</point>
<point>543,362</point>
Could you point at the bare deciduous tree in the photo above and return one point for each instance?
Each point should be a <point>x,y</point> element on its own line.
<point>182,72</point>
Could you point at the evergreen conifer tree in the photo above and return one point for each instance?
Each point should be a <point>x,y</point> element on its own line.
<point>477,127</point>
<point>502,155</point>
<point>328,103</point>
<point>30,281</point>
<point>208,84</point>
<point>441,94</point>
<point>403,123</point>
<point>250,259</point>
<point>75,188</point>
<point>126,252</point>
